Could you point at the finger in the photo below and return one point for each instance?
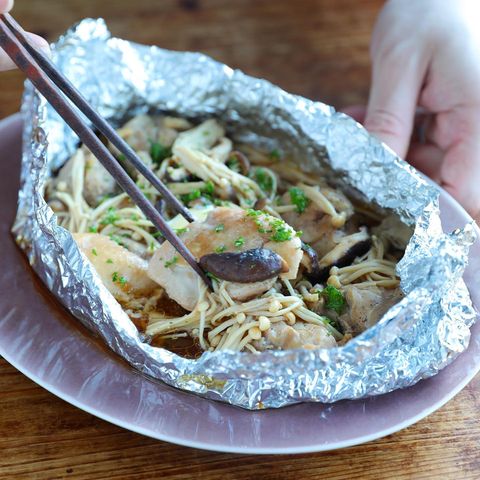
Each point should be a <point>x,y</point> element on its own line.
<point>6,5</point>
<point>427,158</point>
<point>38,42</point>
<point>357,112</point>
<point>396,83</point>
<point>460,173</point>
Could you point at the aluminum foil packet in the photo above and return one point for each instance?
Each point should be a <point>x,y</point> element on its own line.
<point>414,340</point>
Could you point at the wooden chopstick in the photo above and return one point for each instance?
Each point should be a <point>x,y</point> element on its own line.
<point>99,122</point>
<point>47,87</point>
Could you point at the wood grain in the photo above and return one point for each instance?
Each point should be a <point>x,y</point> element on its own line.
<point>317,48</point>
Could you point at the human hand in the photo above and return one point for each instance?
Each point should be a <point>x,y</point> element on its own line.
<point>5,61</point>
<point>427,54</point>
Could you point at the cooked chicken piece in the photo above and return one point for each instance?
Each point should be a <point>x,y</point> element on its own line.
<point>227,229</point>
<point>177,123</point>
<point>122,272</point>
<point>394,231</point>
<point>202,137</point>
<point>142,130</point>
<point>366,305</point>
<point>139,132</point>
<point>315,224</point>
<point>300,335</point>
<point>97,181</point>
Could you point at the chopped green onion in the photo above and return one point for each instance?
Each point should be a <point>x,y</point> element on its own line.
<point>109,260</point>
<point>220,249</point>
<point>93,229</point>
<point>219,228</point>
<point>94,251</point>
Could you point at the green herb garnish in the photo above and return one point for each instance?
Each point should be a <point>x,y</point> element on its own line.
<point>334,299</point>
<point>266,223</point>
<point>275,154</point>
<point>299,199</point>
<point>233,164</point>
<point>281,234</point>
<point>189,197</point>
<point>115,277</point>
<point>157,235</point>
<point>209,188</point>
<point>171,262</point>
<point>239,242</point>
<point>110,217</point>
<point>263,179</point>
<point>116,239</point>
<point>219,228</point>
<point>94,251</point>
<point>179,231</point>
<point>93,229</point>
<point>220,249</point>
<point>109,260</point>
<point>158,152</point>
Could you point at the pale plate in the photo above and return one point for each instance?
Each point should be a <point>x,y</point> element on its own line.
<point>41,339</point>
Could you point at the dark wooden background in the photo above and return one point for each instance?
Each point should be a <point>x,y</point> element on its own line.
<point>318,49</point>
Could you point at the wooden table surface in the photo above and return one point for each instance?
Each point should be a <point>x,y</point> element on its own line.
<point>318,49</point>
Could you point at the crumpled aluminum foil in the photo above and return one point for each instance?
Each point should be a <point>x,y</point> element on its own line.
<point>414,340</point>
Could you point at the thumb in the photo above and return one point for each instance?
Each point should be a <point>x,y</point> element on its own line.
<point>460,174</point>
<point>396,83</point>
<point>5,5</point>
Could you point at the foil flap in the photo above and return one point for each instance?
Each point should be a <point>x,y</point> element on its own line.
<point>416,337</point>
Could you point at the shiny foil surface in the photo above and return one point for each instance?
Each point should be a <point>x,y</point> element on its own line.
<point>414,340</point>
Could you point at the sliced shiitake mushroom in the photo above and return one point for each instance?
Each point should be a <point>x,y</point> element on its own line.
<point>243,162</point>
<point>311,264</point>
<point>349,248</point>
<point>260,204</point>
<point>250,266</point>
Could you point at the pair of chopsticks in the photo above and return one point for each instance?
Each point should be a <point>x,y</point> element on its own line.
<point>51,83</point>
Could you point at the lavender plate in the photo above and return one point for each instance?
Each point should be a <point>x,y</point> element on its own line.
<point>40,338</point>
